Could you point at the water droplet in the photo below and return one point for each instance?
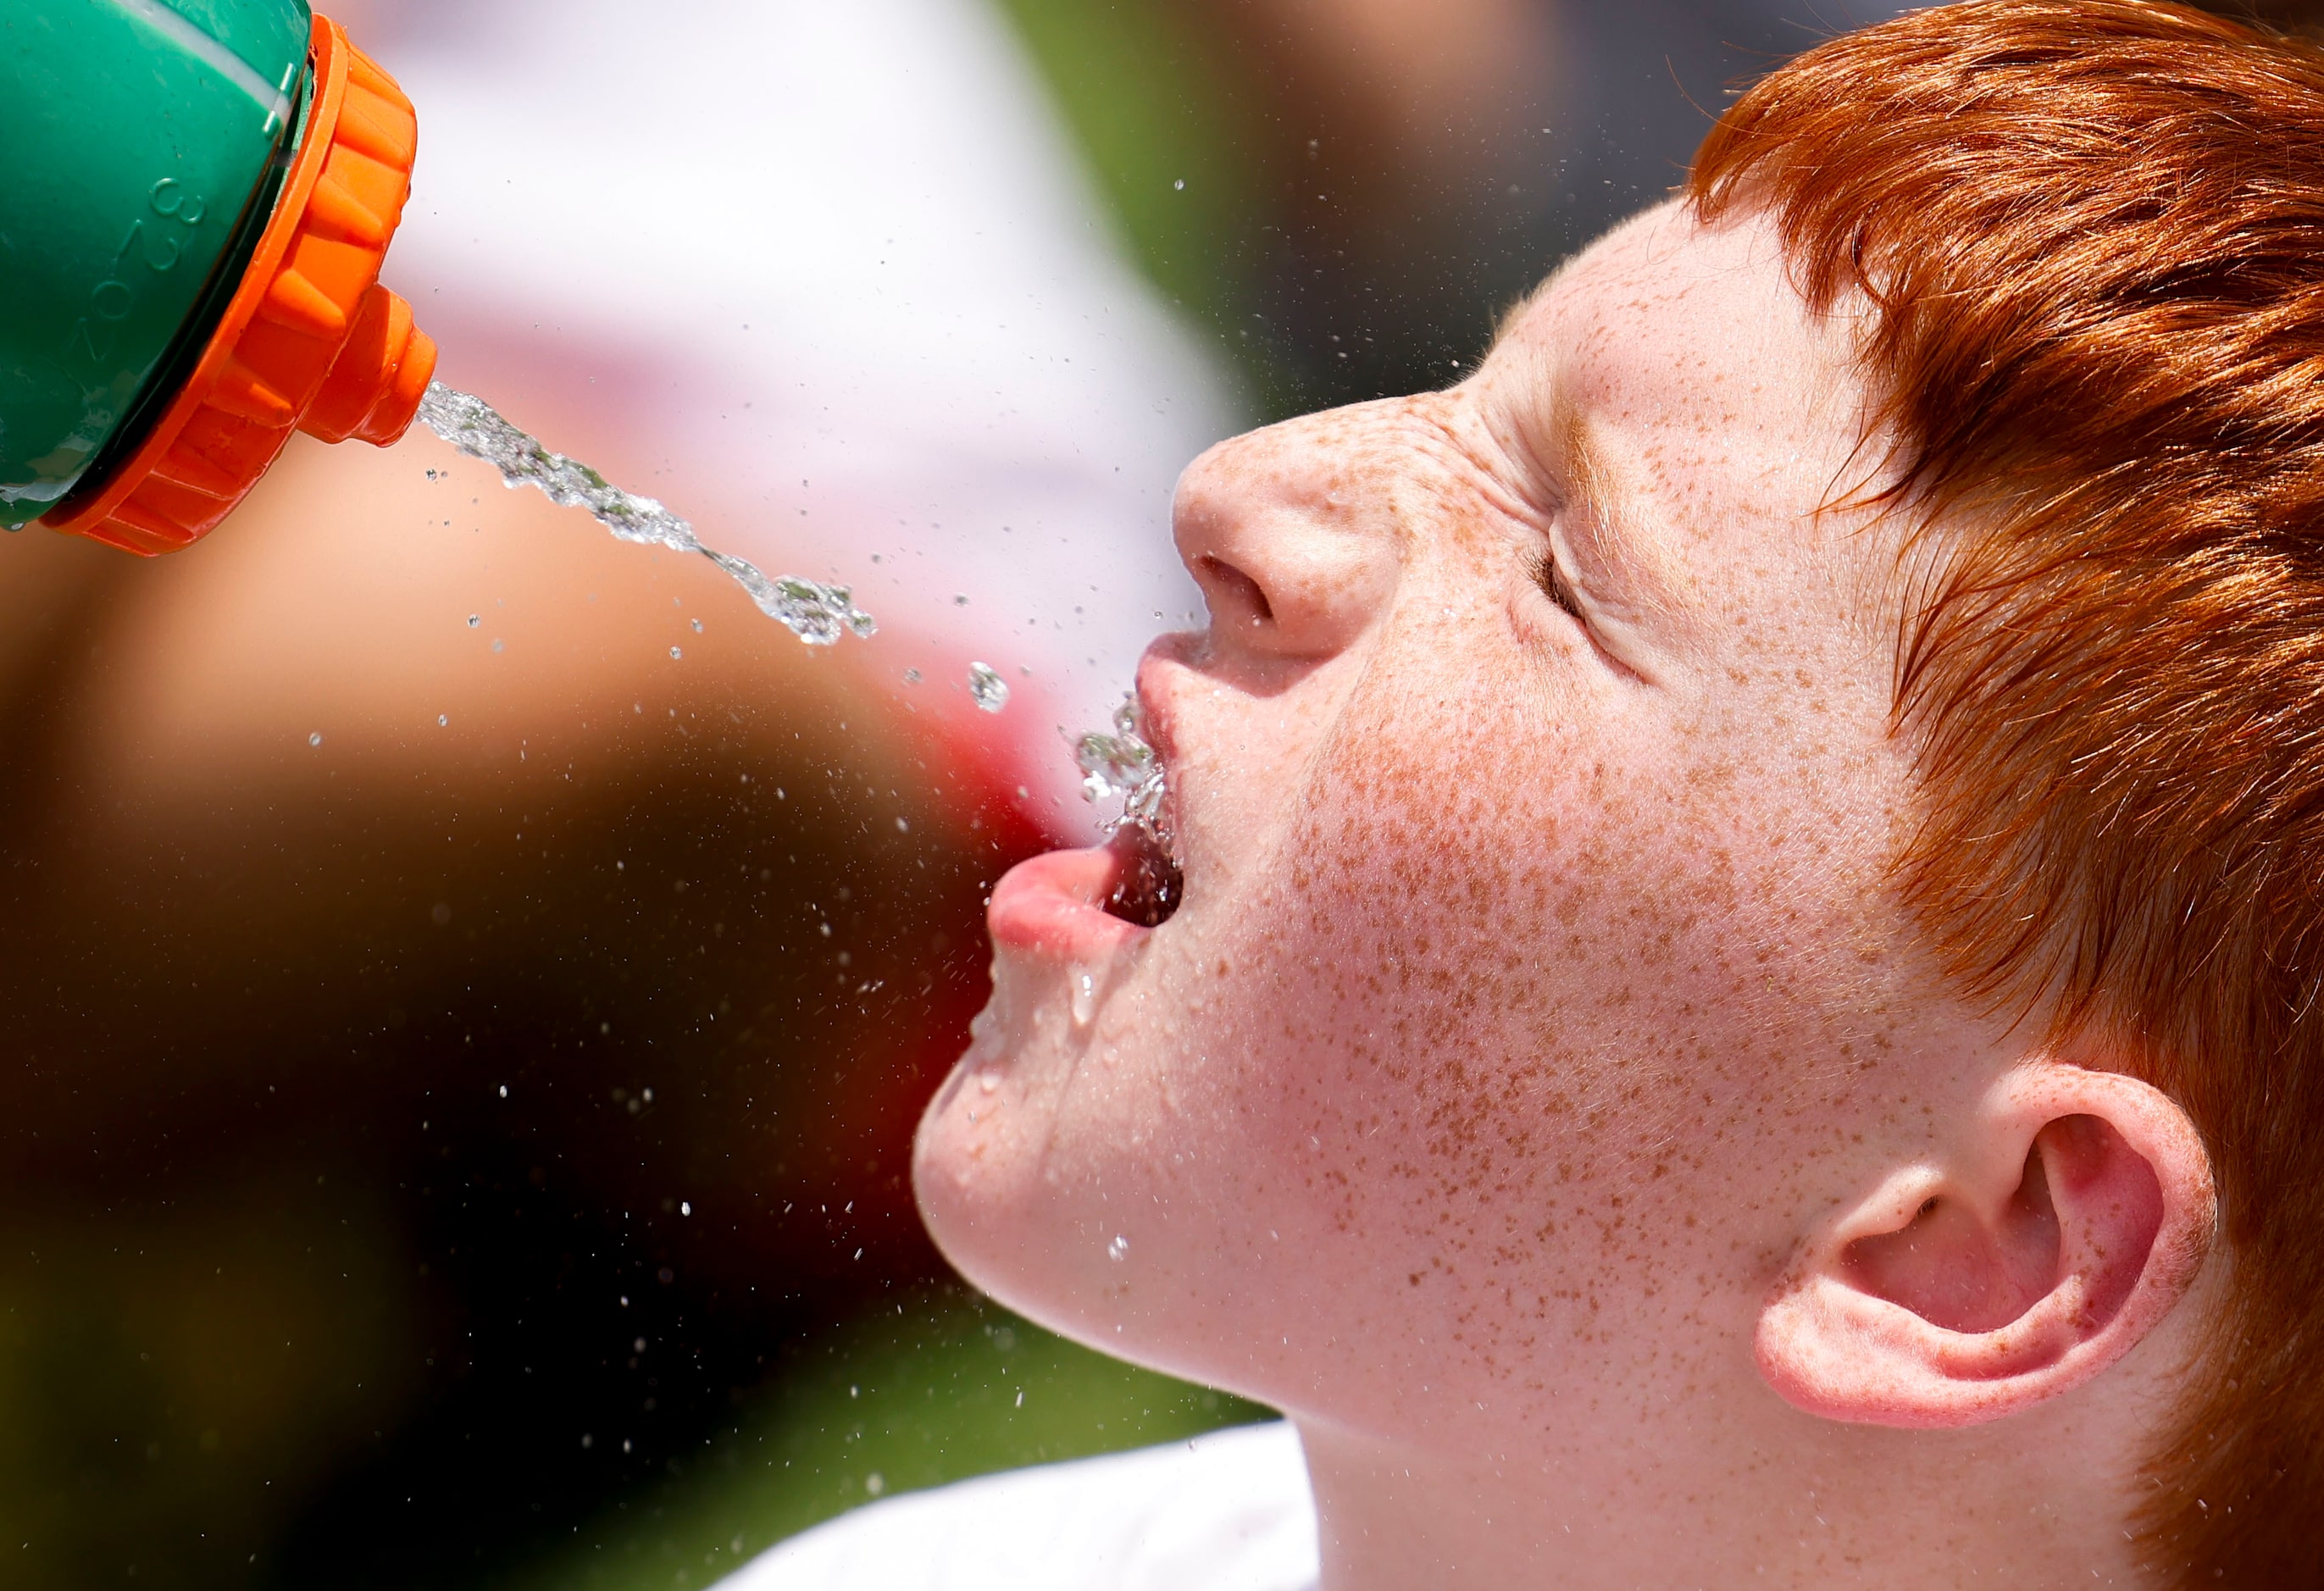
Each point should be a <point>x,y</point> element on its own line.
<point>1118,1249</point>
<point>986,688</point>
<point>315,738</point>
<point>684,1208</point>
<point>676,653</point>
<point>911,676</point>
<point>443,720</point>
<point>474,620</point>
<point>1179,185</point>
<point>1122,764</point>
<point>503,1091</point>
<point>697,627</point>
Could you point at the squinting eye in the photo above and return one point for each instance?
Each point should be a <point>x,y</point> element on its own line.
<point>1552,581</point>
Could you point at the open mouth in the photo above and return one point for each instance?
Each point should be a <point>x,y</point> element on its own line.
<point>1147,885</point>
<point>1084,905</point>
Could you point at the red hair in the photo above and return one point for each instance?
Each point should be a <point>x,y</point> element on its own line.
<point>2091,233</point>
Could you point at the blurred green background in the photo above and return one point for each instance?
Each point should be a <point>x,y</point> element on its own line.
<point>943,1386</point>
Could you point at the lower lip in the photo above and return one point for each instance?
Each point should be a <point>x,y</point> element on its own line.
<point>1054,906</point>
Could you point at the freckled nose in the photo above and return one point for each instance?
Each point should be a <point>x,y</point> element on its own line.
<point>1286,531</point>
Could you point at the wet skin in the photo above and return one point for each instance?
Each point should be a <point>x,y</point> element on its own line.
<point>1538,980</point>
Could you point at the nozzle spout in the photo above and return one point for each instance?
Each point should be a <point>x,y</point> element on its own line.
<point>375,384</point>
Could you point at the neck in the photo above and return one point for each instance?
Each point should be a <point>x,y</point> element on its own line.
<point>1858,1506</point>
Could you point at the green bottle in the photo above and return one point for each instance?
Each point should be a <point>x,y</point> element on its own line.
<point>156,150</point>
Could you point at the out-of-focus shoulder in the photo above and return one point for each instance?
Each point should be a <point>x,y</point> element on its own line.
<point>1230,1511</point>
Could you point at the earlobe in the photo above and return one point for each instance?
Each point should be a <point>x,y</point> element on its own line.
<point>2067,1220</point>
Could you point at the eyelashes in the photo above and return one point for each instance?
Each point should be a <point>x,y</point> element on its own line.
<point>1551,580</point>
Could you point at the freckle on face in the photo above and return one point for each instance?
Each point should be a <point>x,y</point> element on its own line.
<point>1498,985</point>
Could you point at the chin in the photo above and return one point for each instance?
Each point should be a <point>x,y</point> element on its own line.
<point>975,1158</point>
<point>999,1149</point>
<point>1055,1122</point>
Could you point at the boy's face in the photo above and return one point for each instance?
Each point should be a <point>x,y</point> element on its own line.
<point>1537,978</point>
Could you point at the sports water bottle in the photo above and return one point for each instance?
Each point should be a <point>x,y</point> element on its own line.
<point>198,196</point>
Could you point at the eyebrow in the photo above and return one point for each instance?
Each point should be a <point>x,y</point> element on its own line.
<point>1578,461</point>
<point>1627,562</point>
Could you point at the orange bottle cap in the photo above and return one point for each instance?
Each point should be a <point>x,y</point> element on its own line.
<point>309,342</point>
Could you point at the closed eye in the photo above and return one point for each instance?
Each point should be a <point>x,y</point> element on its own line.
<point>1555,586</point>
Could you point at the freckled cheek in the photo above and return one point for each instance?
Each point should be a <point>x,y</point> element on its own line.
<point>1424,923</point>
<point>1480,962</point>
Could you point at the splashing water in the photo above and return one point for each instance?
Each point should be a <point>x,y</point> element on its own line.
<point>1122,764</point>
<point>986,688</point>
<point>1151,887</point>
<point>819,614</point>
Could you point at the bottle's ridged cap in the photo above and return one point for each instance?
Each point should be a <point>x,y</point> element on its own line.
<point>309,342</point>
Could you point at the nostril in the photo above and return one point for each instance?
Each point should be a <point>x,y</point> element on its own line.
<point>1223,583</point>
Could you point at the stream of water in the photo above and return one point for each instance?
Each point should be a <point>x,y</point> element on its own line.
<point>1117,764</point>
<point>818,613</point>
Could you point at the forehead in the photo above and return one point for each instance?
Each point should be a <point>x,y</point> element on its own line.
<point>1666,324</point>
<point>1718,413</point>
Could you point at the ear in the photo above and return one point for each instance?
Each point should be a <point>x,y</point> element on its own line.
<point>2063,1223</point>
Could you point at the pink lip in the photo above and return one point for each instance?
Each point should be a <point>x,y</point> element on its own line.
<point>1053,904</point>
<point>1164,657</point>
